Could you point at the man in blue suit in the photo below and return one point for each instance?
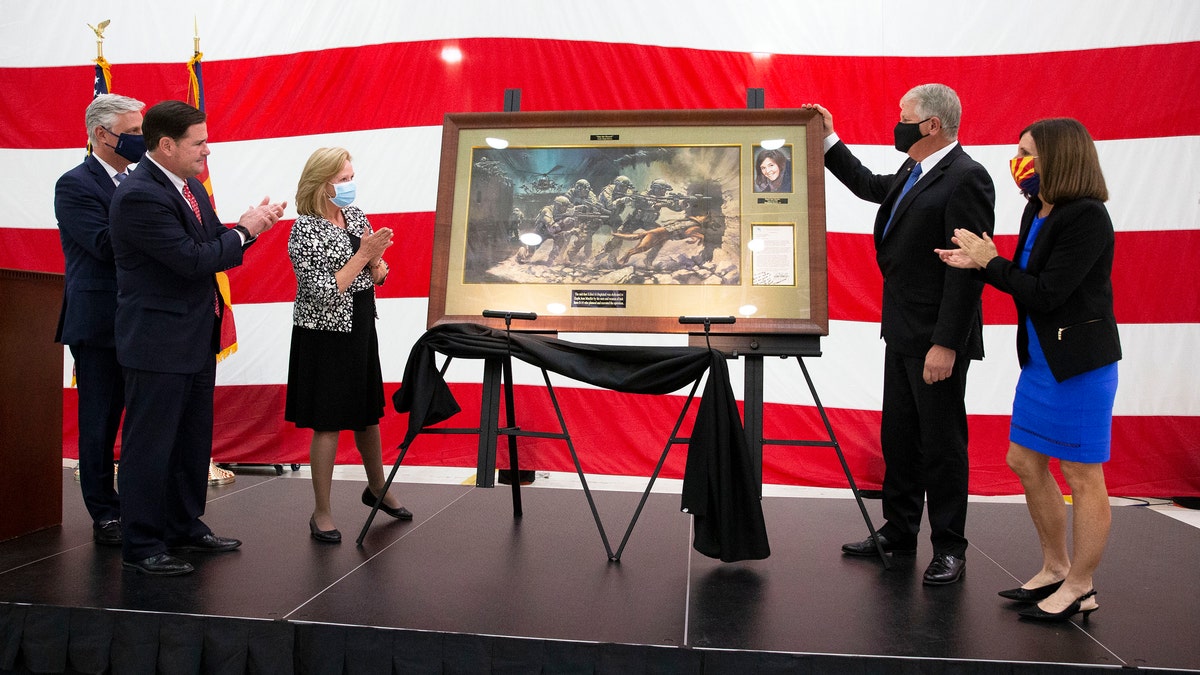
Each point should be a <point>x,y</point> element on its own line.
<point>169,244</point>
<point>85,325</point>
<point>931,325</point>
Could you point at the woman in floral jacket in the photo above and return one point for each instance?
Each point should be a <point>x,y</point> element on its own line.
<point>335,382</point>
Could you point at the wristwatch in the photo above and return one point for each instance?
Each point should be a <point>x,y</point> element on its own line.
<point>246,236</point>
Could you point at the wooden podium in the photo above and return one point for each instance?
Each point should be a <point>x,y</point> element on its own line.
<point>31,395</point>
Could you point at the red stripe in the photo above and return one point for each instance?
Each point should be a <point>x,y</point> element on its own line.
<point>409,85</point>
<point>266,275</point>
<point>1151,457</point>
<point>38,250</point>
<point>1142,295</point>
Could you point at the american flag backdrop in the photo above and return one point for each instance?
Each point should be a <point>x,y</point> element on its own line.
<point>284,78</point>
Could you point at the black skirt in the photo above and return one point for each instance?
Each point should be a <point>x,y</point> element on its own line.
<point>335,382</point>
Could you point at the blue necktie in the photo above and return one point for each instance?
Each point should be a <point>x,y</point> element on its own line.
<point>912,180</point>
<point>121,176</point>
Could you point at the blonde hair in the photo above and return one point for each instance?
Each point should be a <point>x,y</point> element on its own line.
<point>323,165</point>
<point>1067,160</point>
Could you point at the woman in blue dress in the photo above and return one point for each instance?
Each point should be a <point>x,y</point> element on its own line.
<point>1068,347</point>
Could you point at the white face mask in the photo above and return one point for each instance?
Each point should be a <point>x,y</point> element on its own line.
<point>343,194</point>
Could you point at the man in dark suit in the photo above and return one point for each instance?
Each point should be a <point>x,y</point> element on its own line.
<point>85,325</point>
<point>169,244</point>
<point>932,322</point>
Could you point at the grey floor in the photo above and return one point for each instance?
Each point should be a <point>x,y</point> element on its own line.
<point>464,564</point>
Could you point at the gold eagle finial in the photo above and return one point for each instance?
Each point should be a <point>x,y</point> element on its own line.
<point>99,30</point>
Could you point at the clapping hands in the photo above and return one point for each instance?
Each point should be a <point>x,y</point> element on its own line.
<point>974,252</point>
<point>259,219</point>
<point>374,244</point>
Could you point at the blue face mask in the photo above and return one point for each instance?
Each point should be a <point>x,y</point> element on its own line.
<point>129,146</point>
<point>343,194</point>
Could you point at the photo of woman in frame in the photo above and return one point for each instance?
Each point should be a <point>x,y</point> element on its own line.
<point>772,170</point>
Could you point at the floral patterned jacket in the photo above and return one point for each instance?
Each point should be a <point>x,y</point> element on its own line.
<point>318,249</point>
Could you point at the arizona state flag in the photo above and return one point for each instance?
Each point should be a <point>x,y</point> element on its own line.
<point>228,343</point>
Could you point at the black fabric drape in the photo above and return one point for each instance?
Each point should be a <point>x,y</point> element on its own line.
<point>719,488</point>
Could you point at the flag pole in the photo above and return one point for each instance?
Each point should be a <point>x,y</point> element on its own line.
<point>99,31</point>
<point>103,69</point>
<point>102,81</point>
<point>228,340</point>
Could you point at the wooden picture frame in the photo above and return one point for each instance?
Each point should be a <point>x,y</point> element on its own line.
<point>680,242</point>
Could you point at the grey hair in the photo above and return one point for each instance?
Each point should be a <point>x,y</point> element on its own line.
<point>104,110</point>
<point>940,101</point>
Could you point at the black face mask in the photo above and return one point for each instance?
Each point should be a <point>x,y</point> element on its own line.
<point>129,146</point>
<point>908,133</point>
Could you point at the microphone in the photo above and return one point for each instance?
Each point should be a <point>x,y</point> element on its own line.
<point>707,319</point>
<point>504,314</point>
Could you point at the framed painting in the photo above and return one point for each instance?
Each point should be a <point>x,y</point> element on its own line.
<point>626,221</point>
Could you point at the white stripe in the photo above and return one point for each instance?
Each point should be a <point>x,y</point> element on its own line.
<point>1143,195</point>
<point>1156,372</point>
<point>397,173</point>
<point>396,170</point>
<point>54,34</point>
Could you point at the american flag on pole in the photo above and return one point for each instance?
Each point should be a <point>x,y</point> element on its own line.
<point>103,81</point>
<point>371,77</point>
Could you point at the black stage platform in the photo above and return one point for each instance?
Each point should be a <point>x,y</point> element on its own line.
<point>465,588</point>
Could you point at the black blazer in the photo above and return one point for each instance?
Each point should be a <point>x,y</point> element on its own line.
<point>1066,288</point>
<point>925,302</point>
<point>166,261</point>
<point>81,199</point>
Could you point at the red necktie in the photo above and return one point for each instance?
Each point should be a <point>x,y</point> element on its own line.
<point>191,200</point>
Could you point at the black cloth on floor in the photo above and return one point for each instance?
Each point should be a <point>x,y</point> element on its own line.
<point>719,489</point>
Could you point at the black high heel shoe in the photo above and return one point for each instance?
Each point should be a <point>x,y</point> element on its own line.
<point>398,512</point>
<point>1031,594</point>
<point>1036,613</point>
<point>327,536</point>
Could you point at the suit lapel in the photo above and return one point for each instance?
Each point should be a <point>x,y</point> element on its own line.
<point>931,176</point>
<point>885,213</point>
<point>100,175</point>
<point>201,196</point>
<point>189,218</point>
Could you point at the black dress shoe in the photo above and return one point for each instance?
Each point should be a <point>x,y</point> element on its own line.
<point>1030,594</point>
<point>161,565</point>
<point>209,543</point>
<point>866,547</point>
<point>328,536</point>
<point>107,533</point>
<point>944,569</point>
<point>398,512</point>
<point>1036,613</point>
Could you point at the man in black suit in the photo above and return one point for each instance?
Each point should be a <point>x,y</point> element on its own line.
<point>169,244</point>
<point>85,324</point>
<point>932,322</point>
